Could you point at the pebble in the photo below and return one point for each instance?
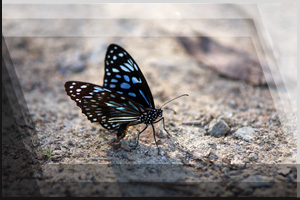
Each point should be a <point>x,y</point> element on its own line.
<point>70,143</point>
<point>125,146</point>
<point>225,170</point>
<point>218,128</point>
<point>246,133</point>
<point>252,157</point>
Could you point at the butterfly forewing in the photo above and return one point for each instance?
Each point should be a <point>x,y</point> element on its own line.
<point>123,75</point>
<point>103,105</point>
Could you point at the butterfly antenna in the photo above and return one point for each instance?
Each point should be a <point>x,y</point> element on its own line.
<point>173,99</point>
<point>171,110</point>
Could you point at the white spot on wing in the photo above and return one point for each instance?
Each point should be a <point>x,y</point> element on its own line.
<point>130,61</point>
<point>125,69</point>
<point>115,70</point>
<point>129,66</point>
<point>98,89</point>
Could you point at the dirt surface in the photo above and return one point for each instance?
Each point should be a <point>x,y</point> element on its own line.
<point>85,162</point>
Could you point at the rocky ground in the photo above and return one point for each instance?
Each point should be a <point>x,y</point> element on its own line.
<point>226,138</point>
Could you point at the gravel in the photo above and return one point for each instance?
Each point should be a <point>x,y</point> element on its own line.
<point>245,133</point>
<point>218,128</point>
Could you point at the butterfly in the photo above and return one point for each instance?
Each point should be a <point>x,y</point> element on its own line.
<point>124,100</point>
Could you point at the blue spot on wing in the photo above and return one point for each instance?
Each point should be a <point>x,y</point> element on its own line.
<point>132,94</point>
<point>125,85</point>
<point>126,78</point>
<point>135,80</point>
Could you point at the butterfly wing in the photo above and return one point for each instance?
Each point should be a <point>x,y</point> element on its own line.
<point>103,105</point>
<point>123,75</point>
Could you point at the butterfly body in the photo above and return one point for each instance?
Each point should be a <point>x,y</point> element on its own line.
<point>124,99</point>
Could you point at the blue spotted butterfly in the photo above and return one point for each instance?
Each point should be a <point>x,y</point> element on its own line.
<point>124,100</point>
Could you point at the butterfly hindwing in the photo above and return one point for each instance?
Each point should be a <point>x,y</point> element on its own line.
<point>123,75</point>
<point>103,105</point>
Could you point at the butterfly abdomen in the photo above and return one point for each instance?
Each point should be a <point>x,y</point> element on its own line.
<point>122,131</point>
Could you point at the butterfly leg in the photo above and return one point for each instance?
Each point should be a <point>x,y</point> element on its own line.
<point>155,139</point>
<point>137,142</point>
<point>163,119</point>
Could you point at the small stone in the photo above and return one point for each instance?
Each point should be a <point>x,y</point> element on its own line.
<point>93,128</point>
<point>130,157</point>
<point>218,128</point>
<point>212,156</point>
<point>245,133</point>
<point>70,143</point>
<point>252,157</point>
<point>225,170</point>
<point>237,163</point>
<point>125,146</point>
